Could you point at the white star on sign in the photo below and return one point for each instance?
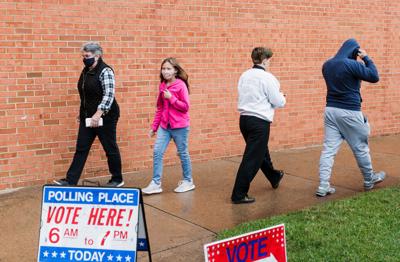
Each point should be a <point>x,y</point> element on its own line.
<point>45,254</point>
<point>62,255</point>
<point>127,258</point>
<point>110,258</point>
<point>119,258</point>
<point>141,243</point>
<point>54,254</point>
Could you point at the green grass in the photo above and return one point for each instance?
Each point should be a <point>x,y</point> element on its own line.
<point>362,228</point>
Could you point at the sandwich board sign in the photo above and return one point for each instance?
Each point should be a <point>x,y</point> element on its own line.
<point>143,243</point>
<point>91,224</point>
<point>268,245</point>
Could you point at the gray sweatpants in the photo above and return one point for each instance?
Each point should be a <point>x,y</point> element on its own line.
<point>349,125</point>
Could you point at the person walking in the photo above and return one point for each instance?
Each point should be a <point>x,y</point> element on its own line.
<point>259,96</point>
<point>98,116</point>
<point>171,121</point>
<point>343,117</point>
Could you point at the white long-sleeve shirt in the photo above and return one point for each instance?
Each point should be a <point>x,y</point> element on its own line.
<point>259,94</point>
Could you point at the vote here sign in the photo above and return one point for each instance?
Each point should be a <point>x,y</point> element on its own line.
<point>88,224</point>
<point>263,245</point>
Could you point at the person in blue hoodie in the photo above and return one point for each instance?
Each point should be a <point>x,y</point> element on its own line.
<point>343,117</point>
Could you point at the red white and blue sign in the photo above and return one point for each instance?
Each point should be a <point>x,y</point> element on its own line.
<point>263,245</point>
<point>89,224</point>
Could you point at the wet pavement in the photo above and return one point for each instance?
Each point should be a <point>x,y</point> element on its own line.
<point>180,224</point>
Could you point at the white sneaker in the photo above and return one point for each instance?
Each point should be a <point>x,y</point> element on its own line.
<point>324,190</point>
<point>152,188</point>
<point>184,186</point>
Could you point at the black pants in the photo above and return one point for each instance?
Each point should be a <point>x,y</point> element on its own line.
<point>255,132</point>
<point>107,135</point>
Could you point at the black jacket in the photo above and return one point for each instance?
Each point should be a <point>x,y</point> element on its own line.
<point>91,93</point>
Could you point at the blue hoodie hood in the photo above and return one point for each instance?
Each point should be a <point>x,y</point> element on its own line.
<point>349,49</point>
<point>343,75</point>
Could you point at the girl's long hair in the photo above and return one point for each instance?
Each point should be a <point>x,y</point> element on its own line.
<point>181,74</point>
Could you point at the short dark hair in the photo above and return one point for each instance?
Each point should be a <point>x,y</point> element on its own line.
<point>260,53</point>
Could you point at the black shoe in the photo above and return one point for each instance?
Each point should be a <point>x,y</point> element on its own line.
<point>115,183</point>
<point>62,182</point>
<point>280,176</point>
<point>245,200</point>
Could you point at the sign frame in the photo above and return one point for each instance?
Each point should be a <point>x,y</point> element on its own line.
<point>76,214</point>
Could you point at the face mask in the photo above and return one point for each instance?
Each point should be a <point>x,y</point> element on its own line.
<point>89,61</point>
<point>168,74</point>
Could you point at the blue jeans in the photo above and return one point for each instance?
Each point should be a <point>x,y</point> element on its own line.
<point>181,138</point>
<point>352,126</point>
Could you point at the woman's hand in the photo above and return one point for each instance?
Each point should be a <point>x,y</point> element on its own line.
<point>151,133</point>
<point>96,118</point>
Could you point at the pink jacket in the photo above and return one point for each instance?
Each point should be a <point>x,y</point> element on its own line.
<point>174,111</point>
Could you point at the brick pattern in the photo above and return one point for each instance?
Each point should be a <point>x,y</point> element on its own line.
<point>40,65</point>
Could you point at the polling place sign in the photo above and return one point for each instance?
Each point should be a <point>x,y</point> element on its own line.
<point>89,224</point>
<point>263,245</point>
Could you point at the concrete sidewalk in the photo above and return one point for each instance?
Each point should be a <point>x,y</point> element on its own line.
<point>180,224</point>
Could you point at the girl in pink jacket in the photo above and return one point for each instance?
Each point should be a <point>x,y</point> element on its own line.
<point>171,121</point>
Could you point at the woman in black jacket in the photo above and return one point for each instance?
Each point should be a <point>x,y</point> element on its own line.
<point>98,116</point>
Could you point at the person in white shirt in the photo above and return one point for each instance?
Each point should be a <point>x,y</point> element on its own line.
<point>259,96</point>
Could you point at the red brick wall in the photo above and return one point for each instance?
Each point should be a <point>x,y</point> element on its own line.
<point>40,64</point>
